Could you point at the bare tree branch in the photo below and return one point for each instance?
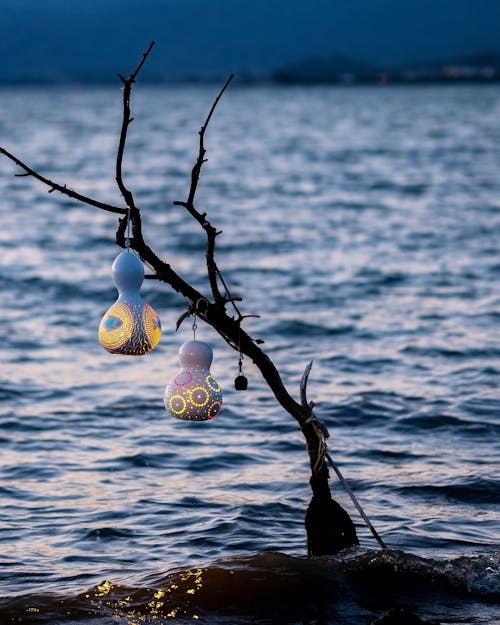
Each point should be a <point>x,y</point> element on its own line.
<point>54,186</point>
<point>163,270</point>
<point>126,121</point>
<point>201,218</point>
<point>195,174</point>
<point>303,384</point>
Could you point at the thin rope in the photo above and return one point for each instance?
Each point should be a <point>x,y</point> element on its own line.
<point>228,293</point>
<point>355,502</point>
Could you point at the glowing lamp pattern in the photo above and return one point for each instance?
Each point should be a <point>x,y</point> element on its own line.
<point>194,394</point>
<point>130,326</point>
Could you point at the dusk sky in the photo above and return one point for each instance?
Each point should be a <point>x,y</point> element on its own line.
<point>63,40</point>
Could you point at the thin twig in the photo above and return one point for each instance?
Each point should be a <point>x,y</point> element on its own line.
<point>184,315</point>
<point>195,174</point>
<point>54,186</point>
<point>143,60</point>
<point>126,121</point>
<point>229,298</point>
<point>201,218</point>
<point>303,384</point>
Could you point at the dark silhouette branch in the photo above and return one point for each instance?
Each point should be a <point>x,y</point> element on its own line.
<point>201,218</point>
<point>126,121</point>
<point>195,174</point>
<point>54,186</point>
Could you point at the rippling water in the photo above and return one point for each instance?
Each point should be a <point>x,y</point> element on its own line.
<point>363,225</point>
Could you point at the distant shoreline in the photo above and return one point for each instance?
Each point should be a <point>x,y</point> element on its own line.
<point>245,82</point>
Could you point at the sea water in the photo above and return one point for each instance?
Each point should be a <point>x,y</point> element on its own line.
<point>362,225</point>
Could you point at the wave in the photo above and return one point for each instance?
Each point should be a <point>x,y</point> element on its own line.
<point>358,584</point>
<point>475,491</point>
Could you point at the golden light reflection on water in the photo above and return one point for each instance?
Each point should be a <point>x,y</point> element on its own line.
<point>170,601</point>
<point>103,589</point>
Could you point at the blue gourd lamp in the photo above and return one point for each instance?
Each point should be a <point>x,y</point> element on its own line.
<point>194,394</point>
<point>130,326</point>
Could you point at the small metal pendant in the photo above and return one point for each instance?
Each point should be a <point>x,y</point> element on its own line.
<point>241,383</point>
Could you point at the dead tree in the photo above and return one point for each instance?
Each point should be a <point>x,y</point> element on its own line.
<point>329,527</point>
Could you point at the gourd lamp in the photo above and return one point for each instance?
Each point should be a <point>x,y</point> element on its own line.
<point>130,326</point>
<point>194,394</point>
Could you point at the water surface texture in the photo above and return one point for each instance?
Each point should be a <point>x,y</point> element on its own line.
<point>363,226</point>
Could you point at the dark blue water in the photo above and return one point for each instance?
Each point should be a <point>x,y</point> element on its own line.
<point>363,225</point>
